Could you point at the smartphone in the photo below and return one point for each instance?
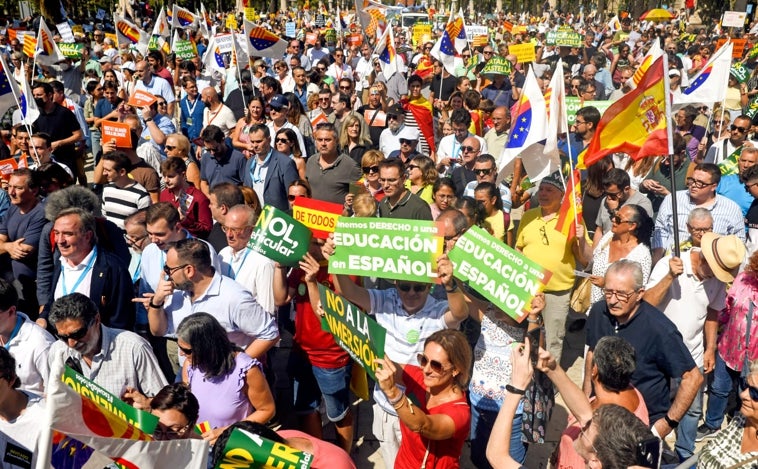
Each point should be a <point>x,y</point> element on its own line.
<point>536,340</point>
<point>649,452</point>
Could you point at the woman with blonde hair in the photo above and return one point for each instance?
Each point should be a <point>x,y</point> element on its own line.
<point>179,146</point>
<point>354,137</point>
<point>370,169</point>
<point>422,175</point>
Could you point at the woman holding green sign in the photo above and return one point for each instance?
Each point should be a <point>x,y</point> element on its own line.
<point>434,415</point>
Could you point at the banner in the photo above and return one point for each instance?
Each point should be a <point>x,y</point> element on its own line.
<point>501,274</point>
<point>474,31</point>
<point>574,103</point>
<point>141,98</point>
<point>739,72</point>
<point>224,42</point>
<point>523,52</point>
<point>184,49</point>
<point>118,131</point>
<point>392,248</point>
<point>498,66</point>
<point>422,32</point>
<point>290,29</point>
<point>64,29</point>
<point>353,330</point>
<point>280,237</point>
<point>7,167</point>
<point>321,217</point>
<point>71,50</point>
<point>245,450</point>
<point>739,46</point>
<point>564,38</point>
<point>734,19</point>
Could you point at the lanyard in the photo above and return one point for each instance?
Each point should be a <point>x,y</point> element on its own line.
<point>191,109</point>
<point>137,271</point>
<point>256,168</point>
<point>233,273</point>
<point>14,333</point>
<point>81,276</point>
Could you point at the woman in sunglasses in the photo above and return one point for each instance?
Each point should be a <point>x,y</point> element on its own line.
<point>421,177</point>
<point>434,415</point>
<point>370,169</point>
<point>179,146</point>
<point>286,143</point>
<point>229,384</point>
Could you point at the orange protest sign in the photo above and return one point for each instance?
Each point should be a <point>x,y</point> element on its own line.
<point>311,38</point>
<point>117,131</point>
<point>140,99</point>
<point>321,217</point>
<point>355,39</point>
<point>7,167</point>
<point>739,46</point>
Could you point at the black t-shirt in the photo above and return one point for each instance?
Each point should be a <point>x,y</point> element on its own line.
<point>751,218</point>
<point>448,87</point>
<point>60,124</point>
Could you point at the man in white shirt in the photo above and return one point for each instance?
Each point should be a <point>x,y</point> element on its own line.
<point>153,84</point>
<point>216,112</point>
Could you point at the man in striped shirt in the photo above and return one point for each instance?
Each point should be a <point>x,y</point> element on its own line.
<point>122,196</point>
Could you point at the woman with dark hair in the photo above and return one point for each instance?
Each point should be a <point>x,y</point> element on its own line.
<point>229,385</point>
<point>297,117</point>
<point>285,142</point>
<point>177,410</point>
<point>422,174</point>
<point>298,188</point>
<point>494,220</point>
<point>433,433</point>
<point>325,455</point>
<point>443,196</point>
<point>255,115</point>
<point>594,192</point>
<point>629,238</point>
<point>193,206</point>
<point>469,207</point>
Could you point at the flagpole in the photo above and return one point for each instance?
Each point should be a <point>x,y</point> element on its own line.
<point>669,136</point>
<point>23,117</point>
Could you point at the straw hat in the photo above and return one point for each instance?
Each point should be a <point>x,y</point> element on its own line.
<point>724,255</point>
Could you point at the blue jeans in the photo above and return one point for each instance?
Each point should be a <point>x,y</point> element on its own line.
<point>724,381</point>
<point>481,427</point>
<point>685,433</point>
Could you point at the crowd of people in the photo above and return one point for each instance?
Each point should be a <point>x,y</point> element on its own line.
<point>139,274</point>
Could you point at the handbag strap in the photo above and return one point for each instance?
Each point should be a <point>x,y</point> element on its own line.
<point>745,361</point>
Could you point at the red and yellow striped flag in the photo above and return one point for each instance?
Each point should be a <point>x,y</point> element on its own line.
<point>571,207</point>
<point>30,45</point>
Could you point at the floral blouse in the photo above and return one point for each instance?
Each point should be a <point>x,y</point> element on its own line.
<point>733,321</point>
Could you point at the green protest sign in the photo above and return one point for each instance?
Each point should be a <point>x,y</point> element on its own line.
<point>498,272</point>
<point>245,450</point>
<point>498,66</point>
<point>392,248</point>
<point>353,330</point>
<point>184,49</point>
<point>280,237</point>
<point>752,107</point>
<point>564,38</point>
<point>71,50</point>
<point>330,35</point>
<point>573,104</point>
<point>739,72</point>
<point>113,406</point>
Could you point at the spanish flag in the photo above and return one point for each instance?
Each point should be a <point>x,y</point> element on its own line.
<point>637,123</point>
<point>571,207</point>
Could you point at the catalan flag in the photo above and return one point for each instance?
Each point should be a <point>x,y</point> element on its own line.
<point>635,124</point>
<point>214,59</point>
<point>457,31</point>
<point>30,45</point>
<point>205,21</point>
<point>128,32</point>
<point>182,18</point>
<point>47,51</point>
<point>444,49</point>
<point>571,208</point>
<point>385,49</point>
<point>263,43</point>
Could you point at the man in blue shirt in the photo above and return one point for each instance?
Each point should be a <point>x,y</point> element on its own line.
<point>732,186</point>
<point>192,107</point>
<point>220,161</point>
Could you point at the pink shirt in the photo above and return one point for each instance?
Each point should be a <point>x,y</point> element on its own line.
<point>325,454</point>
<point>733,321</point>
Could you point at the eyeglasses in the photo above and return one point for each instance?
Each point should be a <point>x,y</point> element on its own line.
<point>433,364</point>
<point>370,169</point>
<point>162,103</point>
<point>577,122</point>
<point>468,149</point>
<point>487,52</point>
<point>741,130</point>
<point>457,233</point>
<point>345,88</point>
<point>617,220</point>
<point>77,335</point>
<point>169,147</point>
<point>482,172</point>
<point>412,166</point>
<point>621,295</point>
<point>701,231</point>
<point>753,390</point>
<point>132,241</point>
<point>543,234</point>
<point>427,48</point>
<point>170,270</point>
<point>234,231</point>
<point>406,287</point>
<point>614,195</point>
<point>282,140</point>
<point>321,69</point>
<point>698,184</point>
<point>169,433</point>
<point>186,351</point>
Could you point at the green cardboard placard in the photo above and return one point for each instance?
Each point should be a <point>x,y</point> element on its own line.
<point>280,237</point>
<point>245,450</point>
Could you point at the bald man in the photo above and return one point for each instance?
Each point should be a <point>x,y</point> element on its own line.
<point>216,112</point>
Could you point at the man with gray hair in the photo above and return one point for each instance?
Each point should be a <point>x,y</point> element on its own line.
<point>120,361</point>
<point>661,353</point>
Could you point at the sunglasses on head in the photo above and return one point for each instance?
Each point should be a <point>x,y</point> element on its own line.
<point>406,287</point>
<point>753,390</point>
<point>76,335</point>
<point>370,169</point>
<point>433,364</point>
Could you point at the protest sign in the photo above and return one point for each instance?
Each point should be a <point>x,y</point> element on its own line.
<point>72,50</point>
<point>118,131</point>
<point>750,111</point>
<point>393,248</point>
<point>734,19</point>
<point>422,32</point>
<point>497,65</point>
<point>501,274</point>
<point>330,35</point>
<point>737,50</point>
<point>353,330</point>
<point>140,98</point>
<point>100,14</point>
<point>245,450</point>
<point>523,52</point>
<point>7,167</point>
<point>231,21</point>
<point>250,14</point>
<point>355,39</point>
<point>64,29</point>
<point>739,72</point>
<point>321,217</point>
<point>184,49</point>
<point>564,38</point>
<point>280,237</point>
<point>290,29</point>
<point>573,104</point>
<point>224,42</point>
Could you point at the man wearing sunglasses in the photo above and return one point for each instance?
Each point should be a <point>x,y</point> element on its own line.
<point>618,192</point>
<point>87,269</point>
<point>410,315</point>
<point>730,148</point>
<point>268,172</point>
<point>118,360</point>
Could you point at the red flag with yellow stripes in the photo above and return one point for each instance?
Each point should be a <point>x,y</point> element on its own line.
<point>571,207</point>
